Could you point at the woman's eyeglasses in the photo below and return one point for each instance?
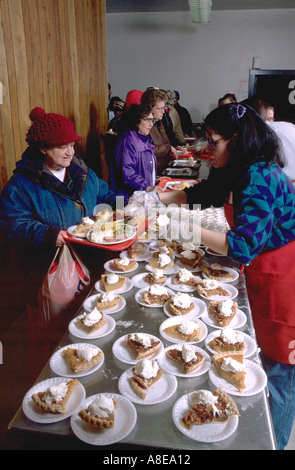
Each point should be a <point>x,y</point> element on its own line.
<point>213,143</point>
<point>152,120</point>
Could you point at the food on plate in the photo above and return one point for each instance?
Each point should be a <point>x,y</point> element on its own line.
<point>82,357</point>
<point>211,288</point>
<point>136,249</point>
<point>227,340</point>
<point>156,294</point>
<point>222,313</point>
<point>124,264</point>
<point>187,330</point>
<point>145,374</point>
<point>162,221</point>
<point>182,185</point>
<point>107,300</point>
<point>142,345</point>
<point>180,304</point>
<point>230,366</point>
<point>187,357</point>
<point>84,227</point>
<point>207,407</point>
<point>137,220</point>
<point>185,277</point>
<point>156,277</point>
<point>163,262</point>
<point>103,216</point>
<point>90,322</point>
<point>163,249</point>
<point>112,281</point>
<point>109,232</point>
<point>216,271</point>
<point>100,413</point>
<point>183,246</point>
<point>191,258</point>
<point>56,397</point>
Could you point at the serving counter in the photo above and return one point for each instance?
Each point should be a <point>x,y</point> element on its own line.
<point>154,426</point>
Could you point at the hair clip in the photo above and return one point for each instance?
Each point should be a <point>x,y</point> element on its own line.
<point>241,111</point>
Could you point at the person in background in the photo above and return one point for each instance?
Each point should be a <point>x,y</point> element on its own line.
<point>262,107</point>
<point>134,166</point>
<point>178,136</point>
<point>157,99</point>
<point>185,117</point>
<point>261,237</point>
<point>227,98</point>
<point>286,133</point>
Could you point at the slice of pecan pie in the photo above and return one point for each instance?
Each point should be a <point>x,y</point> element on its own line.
<point>156,294</point>
<point>180,304</point>
<point>222,313</point>
<point>207,407</point>
<point>142,345</point>
<point>227,340</point>
<point>187,357</point>
<point>145,374</point>
<point>211,288</point>
<point>216,271</point>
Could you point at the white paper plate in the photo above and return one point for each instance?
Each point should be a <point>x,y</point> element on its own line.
<point>172,270</point>
<point>71,231</point>
<point>161,391</point>
<point>172,367</point>
<point>110,266</point>
<point>90,303</point>
<point>60,366</point>
<point>232,290</point>
<point>199,309</point>
<point>126,287</point>
<point>139,282</point>
<point>182,287</point>
<point>231,271</point>
<point>38,416</point>
<point>238,321</point>
<point>139,299</point>
<point>178,321</point>
<point>106,329</point>
<point>122,352</point>
<point>213,253</point>
<point>130,233</point>
<point>250,344</point>
<point>144,256</point>
<point>213,432</point>
<point>125,420</point>
<point>256,380</point>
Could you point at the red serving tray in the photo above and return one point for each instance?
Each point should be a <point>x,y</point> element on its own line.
<point>164,181</point>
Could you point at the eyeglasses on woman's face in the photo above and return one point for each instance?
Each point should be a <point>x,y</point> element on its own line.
<point>152,120</point>
<point>213,143</point>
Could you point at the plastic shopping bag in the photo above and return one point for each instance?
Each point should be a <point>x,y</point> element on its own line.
<point>66,278</point>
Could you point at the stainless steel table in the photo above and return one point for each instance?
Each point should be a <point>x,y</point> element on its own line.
<point>154,428</point>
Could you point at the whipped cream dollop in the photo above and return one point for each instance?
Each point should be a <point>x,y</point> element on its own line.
<point>187,327</point>
<point>181,300</point>
<point>210,284</point>
<point>188,254</point>
<point>106,297</point>
<point>206,398</point>
<point>141,338</point>
<point>157,290</point>
<point>86,352</point>
<point>188,352</point>
<point>164,249</point>
<point>146,368</point>
<point>101,406</point>
<point>184,275</point>
<point>188,246</point>
<point>231,365</point>
<point>157,273</point>
<point>55,393</point>
<point>163,220</point>
<point>124,261</point>
<point>230,336</point>
<point>112,278</point>
<point>164,259</point>
<point>92,317</point>
<point>225,307</point>
<point>88,221</point>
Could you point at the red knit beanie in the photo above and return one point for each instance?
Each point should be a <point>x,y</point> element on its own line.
<point>133,97</point>
<point>50,130</point>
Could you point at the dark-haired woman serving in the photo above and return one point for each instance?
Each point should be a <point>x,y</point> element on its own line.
<point>247,154</point>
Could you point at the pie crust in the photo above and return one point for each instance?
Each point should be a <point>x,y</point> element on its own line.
<point>191,282</point>
<point>157,265</point>
<point>235,378</point>
<point>96,421</point>
<point>218,345</point>
<point>141,385</point>
<point>151,280</point>
<point>211,292</point>
<point>55,407</point>
<point>193,263</point>
<point>111,287</point>
<point>178,310</point>
<point>139,350</point>
<point>135,250</point>
<point>188,367</point>
<point>151,299</point>
<point>122,267</point>
<point>218,318</point>
<point>100,304</point>
<point>202,414</point>
<point>78,365</point>
<point>174,332</point>
<point>216,273</point>
<point>90,329</point>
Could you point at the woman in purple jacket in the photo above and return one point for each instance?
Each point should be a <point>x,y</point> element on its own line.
<point>134,166</point>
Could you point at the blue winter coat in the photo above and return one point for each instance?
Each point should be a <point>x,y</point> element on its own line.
<point>35,205</point>
<point>132,168</point>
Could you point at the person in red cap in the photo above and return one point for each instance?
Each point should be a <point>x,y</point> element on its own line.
<point>51,188</point>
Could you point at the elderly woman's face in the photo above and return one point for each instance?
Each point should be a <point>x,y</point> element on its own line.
<point>159,109</point>
<point>145,124</point>
<point>58,158</point>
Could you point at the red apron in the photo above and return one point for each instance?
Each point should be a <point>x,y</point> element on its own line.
<point>270,282</point>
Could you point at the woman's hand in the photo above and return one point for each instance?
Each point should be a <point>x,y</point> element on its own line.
<point>60,238</point>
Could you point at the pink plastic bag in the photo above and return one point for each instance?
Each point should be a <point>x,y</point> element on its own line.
<point>64,281</point>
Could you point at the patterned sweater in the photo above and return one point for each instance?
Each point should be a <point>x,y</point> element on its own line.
<point>264,213</point>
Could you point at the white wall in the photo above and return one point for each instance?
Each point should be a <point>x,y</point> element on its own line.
<point>201,61</point>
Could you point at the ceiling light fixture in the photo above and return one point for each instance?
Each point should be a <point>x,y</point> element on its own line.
<point>200,10</point>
